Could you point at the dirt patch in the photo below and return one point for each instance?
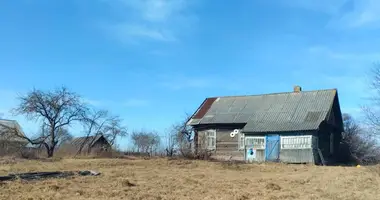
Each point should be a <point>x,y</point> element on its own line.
<point>127,183</point>
<point>272,186</point>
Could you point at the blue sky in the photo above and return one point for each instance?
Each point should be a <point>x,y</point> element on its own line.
<point>150,61</point>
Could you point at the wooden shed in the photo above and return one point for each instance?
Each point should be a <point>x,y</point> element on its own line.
<point>292,127</point>
<point>87,145</point>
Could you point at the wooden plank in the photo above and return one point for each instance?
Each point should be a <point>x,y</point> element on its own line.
<point>227,143</point>
<point>225,136</point>
<point>321,156</point>
<point>229,153</point>
<point>227,146</point>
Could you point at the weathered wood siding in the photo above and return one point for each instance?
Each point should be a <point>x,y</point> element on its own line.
<point>299,155</point>
<point>291,155</point>
<point>100,146</point>
<point>333,125</point>
<point>226,146</point>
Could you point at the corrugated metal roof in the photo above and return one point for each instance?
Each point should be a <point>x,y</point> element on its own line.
<point>204,108</point>
<point>88,141</point>
<point>291,111</point>
<point>7,128</point>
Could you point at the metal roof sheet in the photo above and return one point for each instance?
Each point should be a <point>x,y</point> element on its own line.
<point>86,141</point>
<point>289,111</point>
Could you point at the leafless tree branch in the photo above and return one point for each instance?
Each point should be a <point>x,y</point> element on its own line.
<point>145,141</point>
<point>358,145</point>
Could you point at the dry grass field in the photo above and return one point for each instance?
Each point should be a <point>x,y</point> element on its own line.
<point>185,179</point>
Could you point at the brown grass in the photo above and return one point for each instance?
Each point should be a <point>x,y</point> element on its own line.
<point>186,179</point>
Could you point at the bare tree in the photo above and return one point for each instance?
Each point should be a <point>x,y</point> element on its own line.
<point>172,143</point>
<point>145,141</point>
<point>55,109</point>
<point>100,122</point>
<point>62,135</point>
<point>93,122</point>
<point>184,135</point>
<point>358,146</point>
<point>372,111</point>
<point>113,129</point>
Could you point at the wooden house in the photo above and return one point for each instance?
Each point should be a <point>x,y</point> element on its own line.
<point>292,127</point>
<point>87,145</point>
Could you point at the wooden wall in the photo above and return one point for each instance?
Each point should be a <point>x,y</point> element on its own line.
<point>226,146</point>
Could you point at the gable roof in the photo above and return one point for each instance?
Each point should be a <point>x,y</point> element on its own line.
<point>88,141</point>
<point>7,128</point>
<point>278,112</point>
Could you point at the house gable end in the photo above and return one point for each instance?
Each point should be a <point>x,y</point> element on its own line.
<point>335,116</point>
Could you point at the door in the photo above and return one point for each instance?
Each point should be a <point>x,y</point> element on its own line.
<point>272,149</point>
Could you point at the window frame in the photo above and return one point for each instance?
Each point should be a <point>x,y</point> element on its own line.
<point>256,138</point>
<point>211,136</point>
<point>241,139</point>
<point>301,142</point>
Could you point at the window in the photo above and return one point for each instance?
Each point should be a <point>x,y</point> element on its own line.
<point>211,139</point>
<point>255,142</point>
<point>296,142</point>
<point>241,141</point>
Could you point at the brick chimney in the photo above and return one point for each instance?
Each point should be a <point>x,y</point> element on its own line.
<point>297,88</point>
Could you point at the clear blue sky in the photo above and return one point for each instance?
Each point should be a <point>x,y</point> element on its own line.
<point>151,61</point>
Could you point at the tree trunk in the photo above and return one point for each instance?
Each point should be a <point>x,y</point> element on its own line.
<point>50,149</point>
<point>50,152</point>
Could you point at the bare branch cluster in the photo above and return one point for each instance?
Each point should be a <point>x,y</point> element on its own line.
<point>358,143</point>
<point>100,122</point>
<point>180,138</point>
<point>145,141</point>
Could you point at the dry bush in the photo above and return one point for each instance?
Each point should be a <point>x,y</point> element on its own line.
<point>234,165</point>
<point>136,154</point>
<point>201,153</point>
<point>358,146</point>
<point>29,154</point>
<point>6,160</point>
<point>19,150</point>
<point>10,148</point>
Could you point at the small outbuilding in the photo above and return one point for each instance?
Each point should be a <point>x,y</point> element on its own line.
<point>11,137</point>
<point>87,145</point>
<point>292,127</point>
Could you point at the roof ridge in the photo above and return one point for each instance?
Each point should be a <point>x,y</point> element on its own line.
<point>84,136</point>
<point>10,120</point>
<point>274,93</point>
